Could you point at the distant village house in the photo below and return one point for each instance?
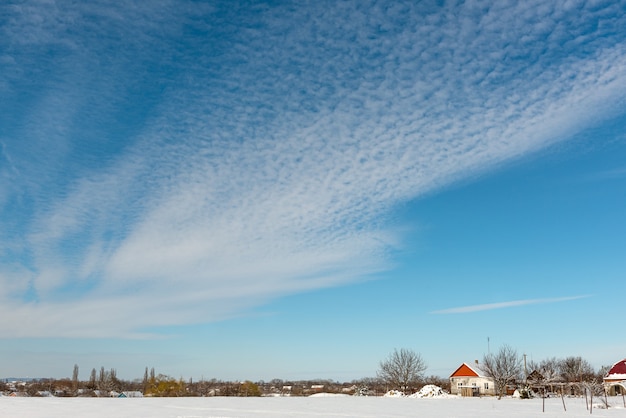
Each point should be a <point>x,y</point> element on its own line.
<point>471,381</point>
<point>615,379</point>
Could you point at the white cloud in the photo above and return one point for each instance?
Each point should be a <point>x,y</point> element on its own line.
<point>503,305</point>
<point>606,175</point>
<point>268,159</point>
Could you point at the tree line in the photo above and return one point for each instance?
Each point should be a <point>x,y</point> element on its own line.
<point>105,382</point>
<point>403,370</point>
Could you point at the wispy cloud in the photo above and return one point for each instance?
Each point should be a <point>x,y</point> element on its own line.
<point>195,163</point>
<point>607,175</point>
<point>503,305</point>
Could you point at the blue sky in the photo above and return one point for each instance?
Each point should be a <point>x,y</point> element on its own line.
<point>247,190</point>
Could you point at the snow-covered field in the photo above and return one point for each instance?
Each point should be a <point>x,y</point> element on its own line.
<point>321,406</point>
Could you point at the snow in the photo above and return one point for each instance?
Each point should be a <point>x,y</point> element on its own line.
<point>325,406</point>
<point>430,391</point>
<point>394,394</point>
<point>328,395</point>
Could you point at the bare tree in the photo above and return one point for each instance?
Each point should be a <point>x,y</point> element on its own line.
<point>102,379</point>
<point>576,369</point>
<point>75,378</point>
<point>602,371</point>
<point>504,367</point>
<point>145,380</point>
<point>532,365</point>
<point>92,380</point>
<point>114,382</point>
<point>549,368</point>
<point>402,369</point>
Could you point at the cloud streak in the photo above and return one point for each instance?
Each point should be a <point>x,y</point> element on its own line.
<point>504,305</point>
<point>203,161</point>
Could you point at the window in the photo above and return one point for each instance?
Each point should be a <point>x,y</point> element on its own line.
<point>487,385</point>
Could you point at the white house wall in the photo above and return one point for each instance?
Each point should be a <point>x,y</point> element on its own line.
<point>456,382</point>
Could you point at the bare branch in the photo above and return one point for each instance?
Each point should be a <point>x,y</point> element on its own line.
<point>402,369</point>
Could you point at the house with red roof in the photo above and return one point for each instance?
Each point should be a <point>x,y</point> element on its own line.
<point>471,380</point>
<point>615,379</point>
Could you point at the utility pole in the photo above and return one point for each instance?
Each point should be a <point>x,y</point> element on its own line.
<point>525,371</point>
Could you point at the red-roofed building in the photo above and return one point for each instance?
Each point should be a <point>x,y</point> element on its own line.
<point>615,379</point>
<point>470,380</point>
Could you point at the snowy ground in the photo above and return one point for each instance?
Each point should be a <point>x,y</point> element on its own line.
<point>343,407</point>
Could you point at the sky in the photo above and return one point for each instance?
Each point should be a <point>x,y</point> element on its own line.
<point>258,190</point>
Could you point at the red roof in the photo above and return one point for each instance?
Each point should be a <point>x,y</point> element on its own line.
<point>618,368</point>
<point>465,370</point>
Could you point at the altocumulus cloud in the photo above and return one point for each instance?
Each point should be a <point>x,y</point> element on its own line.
<point>196,161</point>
